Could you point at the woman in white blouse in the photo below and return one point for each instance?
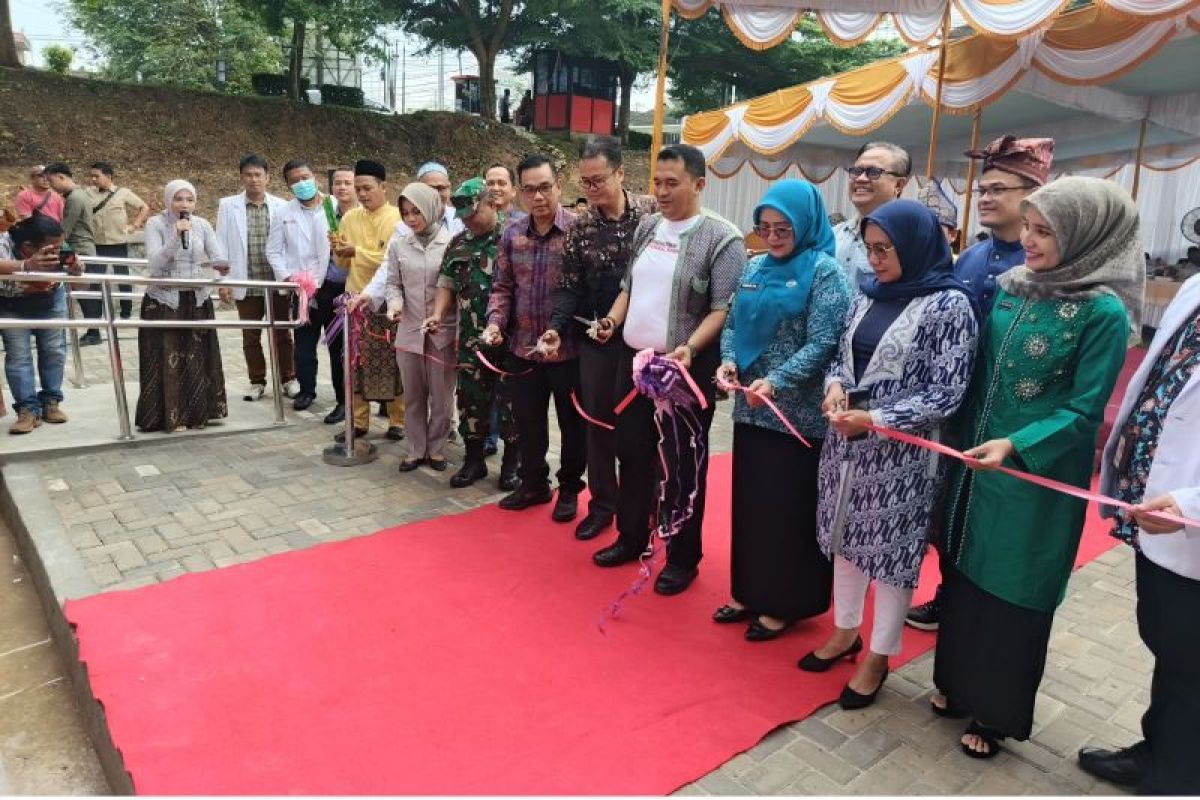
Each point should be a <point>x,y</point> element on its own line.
<point>182,384</point>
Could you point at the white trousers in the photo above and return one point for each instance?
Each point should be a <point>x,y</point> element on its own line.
<point>850,596</point>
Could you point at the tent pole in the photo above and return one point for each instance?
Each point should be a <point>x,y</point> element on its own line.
<point>1137,164</point>
<point>976,118</point>
<point>660,91</point>
<point>937,107</point>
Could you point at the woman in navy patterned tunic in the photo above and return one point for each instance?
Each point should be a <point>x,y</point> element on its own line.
<point>904,362</point>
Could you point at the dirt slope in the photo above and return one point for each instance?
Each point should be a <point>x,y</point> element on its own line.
<point>154,134</point>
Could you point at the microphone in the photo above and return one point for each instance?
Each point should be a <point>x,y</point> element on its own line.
<point>183,235</point>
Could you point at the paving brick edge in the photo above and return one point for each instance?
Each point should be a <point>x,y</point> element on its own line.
<point>58,575</point>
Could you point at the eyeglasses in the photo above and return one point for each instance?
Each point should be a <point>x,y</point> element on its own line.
<point>595,183</point>
<point>531,191</point>
<point>872,173</point>
<point>767,231</point>
<point>880,251</point>
<point>999,189</point>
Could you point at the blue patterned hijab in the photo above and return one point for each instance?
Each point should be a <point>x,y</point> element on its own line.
<point>926,263</point>
<point>776,290</point>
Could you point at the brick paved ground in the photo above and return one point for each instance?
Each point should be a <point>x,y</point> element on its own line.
<point>141,515</point>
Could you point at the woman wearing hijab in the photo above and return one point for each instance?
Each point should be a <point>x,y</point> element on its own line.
<point>904,362</point>
<point>182,384</point>
<point>1052,350</point>
<point>407,282</point>
<point>788,315</point>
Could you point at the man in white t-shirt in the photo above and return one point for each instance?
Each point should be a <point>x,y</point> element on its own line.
<point>685,267</point>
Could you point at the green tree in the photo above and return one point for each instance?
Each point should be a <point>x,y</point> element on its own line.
<point>624,31</point>
<point>481,26</point>
<point>176,41</point>
<point>349,25</point>
<point>707,61</point>
<point>58,58</point>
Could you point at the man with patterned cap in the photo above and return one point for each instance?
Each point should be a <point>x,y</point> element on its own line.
<point>936,200</point>
<point>466,275</point>
<point>1013,169</point>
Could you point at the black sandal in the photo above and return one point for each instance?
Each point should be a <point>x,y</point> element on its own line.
<point>991,739</point>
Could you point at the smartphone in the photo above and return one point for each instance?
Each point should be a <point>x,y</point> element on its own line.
<point>66,257</point>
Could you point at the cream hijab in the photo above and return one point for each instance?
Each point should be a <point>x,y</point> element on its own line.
<point>429,203</point>
<point>1098,230</point>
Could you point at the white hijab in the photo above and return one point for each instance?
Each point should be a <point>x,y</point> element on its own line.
<point>173,188</point>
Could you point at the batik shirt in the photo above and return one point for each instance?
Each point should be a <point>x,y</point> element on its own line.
<point>467,270</point>
<point>595,256</point>
<point>1171,372</point>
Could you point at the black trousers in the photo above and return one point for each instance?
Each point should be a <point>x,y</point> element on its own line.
<point>598,364</point>
<point>308,336</point>
<point>1167,610</point>
<point>637,450</point>
<point>93,309</point>
<point>531,393</point>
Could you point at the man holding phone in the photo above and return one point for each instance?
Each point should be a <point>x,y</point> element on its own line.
<point>33,245</point>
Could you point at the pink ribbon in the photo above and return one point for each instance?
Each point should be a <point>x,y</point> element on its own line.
<point>588,417</point>
<point>1036,480</point>
<point>306,286</point>
<point>737,387</point>
<point>483,360</point>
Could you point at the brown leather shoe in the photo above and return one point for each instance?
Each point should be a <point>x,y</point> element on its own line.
<point>53,414</point>
<point>26,422</point>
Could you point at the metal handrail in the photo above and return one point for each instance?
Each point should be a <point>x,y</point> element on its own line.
<point>109,321</point>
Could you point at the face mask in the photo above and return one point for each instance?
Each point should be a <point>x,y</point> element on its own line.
<point>304,190</point>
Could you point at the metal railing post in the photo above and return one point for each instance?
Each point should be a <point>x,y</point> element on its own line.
<point>273,354</point>
<point>114,357</point>
<point>350,452</point>
<point>79,381</point>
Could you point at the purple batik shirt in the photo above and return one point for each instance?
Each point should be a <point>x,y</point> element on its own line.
<point>528,266</point>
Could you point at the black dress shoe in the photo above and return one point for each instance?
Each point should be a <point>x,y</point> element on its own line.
<point>674,579</point>
<point>358,433</point>
<point>303,401</point>
<point>437,464</point>
<point>524,497</point>
<point>757,632</point>
<point>338,414</point>
<point>729,614</point>
<point>409,464</point>
<point>592,526</point>
<point>395,433</point>
<point>814,663</point>
<point>89,338</point>
<point>566,507</point>
<point>1126,767</point>
<point>851,700</point>
<point>472,470</point>
<point>616,554</point>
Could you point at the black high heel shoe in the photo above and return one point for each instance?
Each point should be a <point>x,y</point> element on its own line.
<point>851,700</point>
<point>727,614</point>
<point>814,663</point>
<point>757,632</point>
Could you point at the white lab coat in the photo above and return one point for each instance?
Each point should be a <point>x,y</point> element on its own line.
<point>1176,466</point>
<point>231,232</point>
<point>299,242</point>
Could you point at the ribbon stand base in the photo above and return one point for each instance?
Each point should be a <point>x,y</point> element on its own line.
<point>340,455</point>
<point>353,450</point>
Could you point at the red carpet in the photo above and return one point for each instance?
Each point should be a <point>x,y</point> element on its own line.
<point>454,656</point>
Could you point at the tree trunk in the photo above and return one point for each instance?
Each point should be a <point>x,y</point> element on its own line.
<point>296,62</point>
<point>8,45</point>
<point>487,84</point>
<point>627,76</point>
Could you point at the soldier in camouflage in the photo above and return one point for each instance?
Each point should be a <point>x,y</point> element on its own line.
<point>467,278</point>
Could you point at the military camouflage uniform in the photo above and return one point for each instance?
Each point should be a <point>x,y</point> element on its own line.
<point>467,271</point>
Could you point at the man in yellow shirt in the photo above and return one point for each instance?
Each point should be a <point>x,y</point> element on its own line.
<point>359,245</point>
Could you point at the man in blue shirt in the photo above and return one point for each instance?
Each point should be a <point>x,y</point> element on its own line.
<point>1012,170</point>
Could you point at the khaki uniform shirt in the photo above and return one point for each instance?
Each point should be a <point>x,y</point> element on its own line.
<point>109,222</point>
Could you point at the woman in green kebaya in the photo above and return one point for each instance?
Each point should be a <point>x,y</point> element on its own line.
<point>1049,358</point>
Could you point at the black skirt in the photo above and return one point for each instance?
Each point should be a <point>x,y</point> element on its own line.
<point>183,385</point>
<point>777,567</point>
<point>990,655</point>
